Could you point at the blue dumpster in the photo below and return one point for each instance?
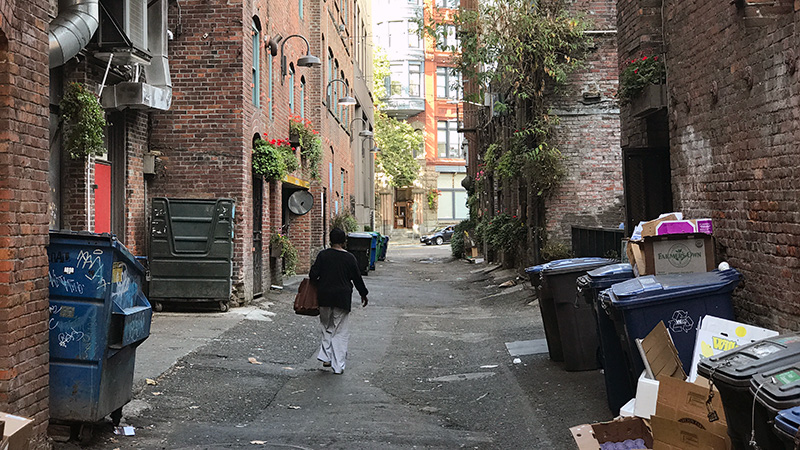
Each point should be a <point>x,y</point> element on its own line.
<point>619,386</point>
<point>98,316</point>
<point>636,306</point>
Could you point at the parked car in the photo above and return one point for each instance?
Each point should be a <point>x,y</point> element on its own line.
<point>438,236</point>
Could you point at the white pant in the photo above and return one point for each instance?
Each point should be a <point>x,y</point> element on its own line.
<point>335,335</point>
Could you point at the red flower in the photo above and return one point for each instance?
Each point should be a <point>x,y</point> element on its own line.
<point>636,71</point>
<point>644,58</point>
<point>655,58</point>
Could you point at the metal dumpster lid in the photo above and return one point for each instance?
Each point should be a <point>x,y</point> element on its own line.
<point>98,239</point>
<point>660,287</point>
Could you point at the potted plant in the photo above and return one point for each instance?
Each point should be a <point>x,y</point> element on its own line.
<point>642,84</point>
<point>302,134</point>
<point>85,122</point>
<point>274,159</point>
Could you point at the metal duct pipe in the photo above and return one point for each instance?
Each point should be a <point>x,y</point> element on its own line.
<point>75,25</point>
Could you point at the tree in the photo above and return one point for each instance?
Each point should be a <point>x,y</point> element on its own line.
<point>397,141</point>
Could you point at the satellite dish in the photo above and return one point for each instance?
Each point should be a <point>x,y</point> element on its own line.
<point>301,202</point>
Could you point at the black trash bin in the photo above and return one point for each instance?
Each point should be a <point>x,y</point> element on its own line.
<point>680,300</point>
<point>548,310</point>
<point>732,371</point>
<point>619,386</point>
<point>569,323</point>
<point>360,245</point>
<point>774,390</point>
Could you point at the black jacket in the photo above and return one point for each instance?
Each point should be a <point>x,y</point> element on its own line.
<point>334,273</point>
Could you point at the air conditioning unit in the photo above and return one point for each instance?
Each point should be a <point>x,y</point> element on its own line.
<point>123,26</point>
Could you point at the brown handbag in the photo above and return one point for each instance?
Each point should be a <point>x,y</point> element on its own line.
<point>305,302</point>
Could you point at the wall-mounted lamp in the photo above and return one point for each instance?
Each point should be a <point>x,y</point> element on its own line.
<point>344,101</point>
<point>308,60</point>
<point>363,133</point>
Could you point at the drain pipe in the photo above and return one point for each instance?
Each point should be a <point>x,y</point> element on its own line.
<point>72,29</point>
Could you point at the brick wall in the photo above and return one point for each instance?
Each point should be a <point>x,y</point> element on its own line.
<point>734,145</point>
<point>24,156</point>
<point>588,135</point>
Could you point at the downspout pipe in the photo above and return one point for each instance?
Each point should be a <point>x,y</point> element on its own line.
<point>72,29</point>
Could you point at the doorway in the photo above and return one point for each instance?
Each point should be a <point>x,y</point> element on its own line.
<point>258,241</point>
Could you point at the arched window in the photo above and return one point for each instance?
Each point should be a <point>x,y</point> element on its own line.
<point>256,81</point>
<point>302,96</point>
<point>291,88</point>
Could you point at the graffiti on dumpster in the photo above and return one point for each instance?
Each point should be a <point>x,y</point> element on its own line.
<point>125,286</point>
<point>136,328</point>
<point>92,265</point>
<point>681,322</point>
<point>69,285</point>
<point>67,337</point>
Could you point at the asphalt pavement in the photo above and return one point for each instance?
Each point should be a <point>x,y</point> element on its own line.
<point>429,366</point>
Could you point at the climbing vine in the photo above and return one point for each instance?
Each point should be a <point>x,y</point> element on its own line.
<point>310,144</point>
<point>85,122</point>
<point>288,253</point>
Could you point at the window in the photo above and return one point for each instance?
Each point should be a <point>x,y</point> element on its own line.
<point>396,31</point>
<point>452,197</point>
<point>300,8</point>
<point>341,184</point>
<point>449,139</point>
<point>413,35</point>
<point>270,60</point>
<point>452,4</point>
<point>344,11</point>
<point>448,83</point>
<point>397,76</point>
<point>447,40</point>
<point>414,79</point>
<point>256,56</point>
<point>291,88</point>
<point>302,96</point>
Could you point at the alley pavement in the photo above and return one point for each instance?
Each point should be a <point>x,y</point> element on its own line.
<point>428,367</point>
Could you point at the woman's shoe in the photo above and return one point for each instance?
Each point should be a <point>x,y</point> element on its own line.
<point>326,364</point>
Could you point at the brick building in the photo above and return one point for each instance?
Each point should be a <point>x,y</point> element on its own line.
<point>23,213</point>
<point>720,138</point>
<point>238,75</point>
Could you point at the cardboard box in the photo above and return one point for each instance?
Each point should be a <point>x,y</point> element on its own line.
<point>473,252</point>
<point>672,253</point>
<point>17,431</point>
<point>659,354</point>
<point>590,437</point>
<point>681,421</point>
<point>689,226</point>
<point>649,228</point>
<point>717,335</point>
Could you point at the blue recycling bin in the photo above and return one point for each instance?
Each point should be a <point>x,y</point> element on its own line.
<point>786,425</point>
<point>98,316</point>
<point>557,292</point>
<point>636,306</point>
<point>619,386</point>
<point>374,248</point>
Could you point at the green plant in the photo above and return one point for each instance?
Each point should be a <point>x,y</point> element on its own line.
<point>85,122</point>
<point>638,75</point>
<point>433,199</point>
<point>288,253</point>
<point>457,241</point>
<point>505,232</point>
<point>345,221</point>
<point>273,159</point>
<point>554,250</point>
<point>310,144</point>
<point>397,141</point>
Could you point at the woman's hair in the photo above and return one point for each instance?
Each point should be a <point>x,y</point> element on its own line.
<point>338,236</point>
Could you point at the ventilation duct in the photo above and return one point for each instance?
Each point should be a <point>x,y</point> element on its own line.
<point>156,92</point>
<point>72,29</point>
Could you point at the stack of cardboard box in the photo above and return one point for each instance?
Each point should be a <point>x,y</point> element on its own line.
<point>671,244</point>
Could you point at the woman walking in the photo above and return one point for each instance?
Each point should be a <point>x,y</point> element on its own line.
<point>334,273</point>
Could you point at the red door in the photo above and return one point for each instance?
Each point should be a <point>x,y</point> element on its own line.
<point>102,198</point>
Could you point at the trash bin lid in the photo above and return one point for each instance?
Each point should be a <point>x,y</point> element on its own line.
<point>605,276</point>
<point>737,366</point>
<point>359,235</point>
<point>658,288</point>
<point>788,420</point>
<point>574,265</point>
<point>778,388</point>
<point>67,237</point>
